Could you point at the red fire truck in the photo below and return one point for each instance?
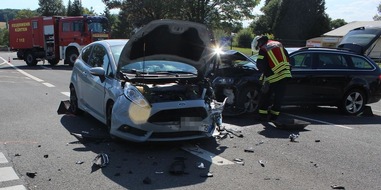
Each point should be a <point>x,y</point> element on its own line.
<point>55,38</point>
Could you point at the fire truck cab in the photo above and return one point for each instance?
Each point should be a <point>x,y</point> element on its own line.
<point>55,38</point>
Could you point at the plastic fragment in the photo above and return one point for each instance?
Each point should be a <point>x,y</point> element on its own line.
<point>79,162</point>
<point>17,154</point>
<point>261,162</point>
<point>293,137</point>
<point>46,156</point>
<point>251,150</point>
<point>31,174</point>
<point>209,174</point>
<point>317,140</point>
<point>200,165</point>
<point>337,187</point>
<point>101,160</point>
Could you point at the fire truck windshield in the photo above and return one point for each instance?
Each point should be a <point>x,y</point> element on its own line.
<point>97,27</point>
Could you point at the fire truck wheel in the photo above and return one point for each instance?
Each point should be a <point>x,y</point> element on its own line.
<point>30,59</point>
<point>53,61</point>
<point>71,56</point>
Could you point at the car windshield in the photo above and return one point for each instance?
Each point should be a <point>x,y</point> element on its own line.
<point>159,67</point>
<point>116,51</point>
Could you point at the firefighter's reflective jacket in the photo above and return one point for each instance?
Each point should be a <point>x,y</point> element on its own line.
<point>273,61</point>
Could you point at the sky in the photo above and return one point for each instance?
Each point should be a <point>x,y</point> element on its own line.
<point>349,10</point>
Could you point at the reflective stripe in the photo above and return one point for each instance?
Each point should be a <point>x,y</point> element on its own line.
<point>280,67</point>
<point>274,112</point>
<point>263,111</point>
<point>273,58</point>
<point>279,76</point>
<point>260,57</point>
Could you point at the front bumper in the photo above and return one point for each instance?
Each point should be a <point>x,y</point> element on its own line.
<point>168,121</point>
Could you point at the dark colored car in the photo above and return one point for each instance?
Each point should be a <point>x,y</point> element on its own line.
<point>236,77</point>
<point>320,77</point>
<point>333,77</point>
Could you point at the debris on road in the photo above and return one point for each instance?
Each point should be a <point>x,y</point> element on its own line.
<point>250,150</point>
<point>87,138</point>
<point>200,165</point>
<point>293,137</point>
<point>79,162</point>
<point>317,140</point>
<point>337,187</point>
<point>239,161</point>
<point>64,107</point>
<point>31,174</point>
<point>46,156</point>
<point>101,160</point>
<point>209,174</point>
<point>261,162</point>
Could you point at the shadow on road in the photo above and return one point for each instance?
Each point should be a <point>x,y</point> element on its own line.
<point>141,165</point>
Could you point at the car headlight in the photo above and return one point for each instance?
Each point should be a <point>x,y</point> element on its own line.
<point>223,80</point>
<point>135,96</point>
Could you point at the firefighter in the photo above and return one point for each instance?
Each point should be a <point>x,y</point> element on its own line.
<point>273,62</point>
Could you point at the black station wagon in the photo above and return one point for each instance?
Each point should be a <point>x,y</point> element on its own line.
<point>333,77</point>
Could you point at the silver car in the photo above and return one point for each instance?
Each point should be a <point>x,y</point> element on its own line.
<point>151,87</point>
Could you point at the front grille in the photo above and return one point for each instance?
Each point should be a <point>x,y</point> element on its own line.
<point>175,115</point>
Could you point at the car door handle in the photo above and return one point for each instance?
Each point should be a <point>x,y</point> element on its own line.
<point>84,73</point>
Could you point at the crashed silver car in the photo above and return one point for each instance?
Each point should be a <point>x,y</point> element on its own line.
<point>155,88</point>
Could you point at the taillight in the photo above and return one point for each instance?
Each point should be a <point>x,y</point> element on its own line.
<point>379,77</point>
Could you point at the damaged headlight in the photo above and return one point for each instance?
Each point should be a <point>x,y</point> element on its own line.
<point>223,80</point>
<point>135,96</point>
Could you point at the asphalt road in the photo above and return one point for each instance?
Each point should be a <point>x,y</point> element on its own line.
<point>333,151</point>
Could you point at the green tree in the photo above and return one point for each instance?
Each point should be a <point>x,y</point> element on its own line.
<point>299,20</point>
<point>75,8</point>
<point>265,23</point>
<point>111,20</point>
<point>337,23</point>
<point>4,37</point>
<point>51,7</point>
<point>25,13</point>
<point>68,10</point>
<point>210,12</point>
<point>378,16</point>
<point>123,27</point>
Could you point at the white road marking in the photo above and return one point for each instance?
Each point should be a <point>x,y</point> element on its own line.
<point>208,156</point>
<point>23,72</point>
<point>17,187</point>
<point>319,121</point>
<point>48,84</point>
<point>8,174</point>
<point>66,94</point>
<point>3,159</point>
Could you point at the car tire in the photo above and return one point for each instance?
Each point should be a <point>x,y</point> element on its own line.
<point>53,62</point>
<point>30,59</point>
<point>353,102</point>
<point>248,98</point>
<point>70,57</point>
<point>74,102</point>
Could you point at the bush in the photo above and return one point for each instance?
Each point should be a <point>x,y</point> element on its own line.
<point>244,38</point>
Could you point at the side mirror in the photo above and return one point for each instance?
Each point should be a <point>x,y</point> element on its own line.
<point>98,71</point>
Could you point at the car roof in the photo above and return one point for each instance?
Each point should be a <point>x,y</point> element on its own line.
<point>114,42</point>
<point>326,49</point>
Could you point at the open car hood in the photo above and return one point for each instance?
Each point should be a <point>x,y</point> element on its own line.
<point>172,40</point>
